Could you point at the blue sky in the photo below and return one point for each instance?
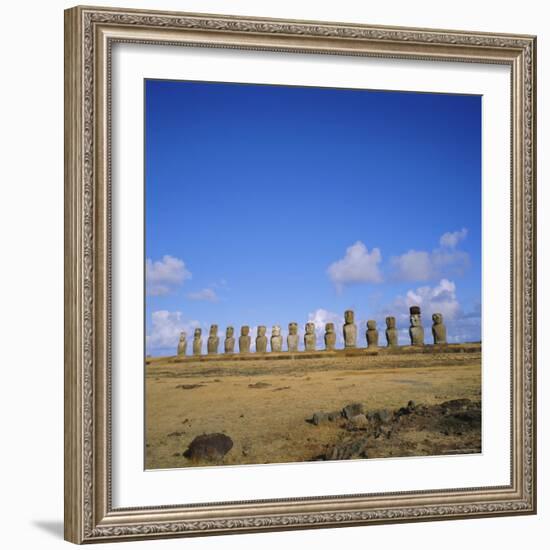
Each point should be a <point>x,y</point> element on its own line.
<point>271,204</point>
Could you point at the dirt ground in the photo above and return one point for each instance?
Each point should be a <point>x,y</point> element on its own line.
<point>266,407</point>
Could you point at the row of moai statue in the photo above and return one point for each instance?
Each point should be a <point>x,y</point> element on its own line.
<point>416,334</point>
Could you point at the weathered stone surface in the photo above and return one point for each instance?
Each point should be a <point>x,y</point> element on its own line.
<point>330,336</point>
<point>261,340</point>
<point>292,340</point>
<point>357,422</point>
<point>372,334</point>
<point>182,344</point>
<point>309,337</point>
<point>210,447</point>
<point>353,409</point>
<point>213,341</point>
<point>244,339</point>
<point>350,330</point>
<point>416,330</point>
<point>382,416</point>
<point>276,339</point>
<point>322,417</point>
<point>391,332</point>
<point>347,450</point>
<point>229,342</point>
<point>197,341</point>
<point>439,331</point>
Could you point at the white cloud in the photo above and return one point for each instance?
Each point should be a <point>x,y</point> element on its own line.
<point>162,276</point>
<point>165,331</point>
<point>450,240</point>
<point>205,295</point>
<point>357,266</point>
<point>438,299</point>
<point>441,298</point>
<point>419,265</point>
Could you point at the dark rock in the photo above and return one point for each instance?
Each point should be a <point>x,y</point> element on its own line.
<point>188,386</point>
<point>456,404</point>
<point>319,418</point>
<point>353,409</point>
<point>348,450</point>
<point>334,415</point>
<point>411,405</point>
<point>259,385</point>
<point>357,422</point>
<point>209,447</point>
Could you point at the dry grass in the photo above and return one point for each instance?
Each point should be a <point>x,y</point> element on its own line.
<point>263,405</point>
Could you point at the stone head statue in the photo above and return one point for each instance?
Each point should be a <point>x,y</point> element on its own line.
<point>229,331</point>
<point>309,337</point>
<point>213,330</point>
<point>245,330</point>
<point>292,338</point>
<point>437,318</point>
<point>182,344</point>
<point>415,316</point>
<point>276,330</point>
<point>183,336</point>
<point>416,330</point>
<point>371,325</point>
<point>261,330</point>
<point>439,330</point>
<point>390,322</point>
<point>330,336</point>
<point>349,317</point>
<point>197,333</point>
<point>244,339</point>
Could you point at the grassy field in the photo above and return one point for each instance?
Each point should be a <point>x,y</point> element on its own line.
<point>264,405</point>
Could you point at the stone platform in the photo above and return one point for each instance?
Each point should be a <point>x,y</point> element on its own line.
<point>298,355</point>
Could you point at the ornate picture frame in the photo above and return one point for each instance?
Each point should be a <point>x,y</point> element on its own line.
<point>89,36</point>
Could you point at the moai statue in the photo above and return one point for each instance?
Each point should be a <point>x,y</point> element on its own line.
<point>292,339</point>
<point>309,337</point>
<point>416,330</point>
<point>244,339</point>
<point>182,344</point>
<point>213,341</point>
<point>197,342</point>
<point>350,329</point>
<point>372,334</point>
<point>261,340</point>
<point>391,333</point>
<point>439,331</point>
<point>276,339</point>
<point>229,342</point>
<point>330,336</point>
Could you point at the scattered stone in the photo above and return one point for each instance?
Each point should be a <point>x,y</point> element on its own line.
<point>357,422</point>
<point>189,386</point>
<point>347,450</point>
<point>352,409</point>
<point>319,418</point>
<point>259,385</point>
<point>334,415</point>
<point>282,388</point>
<point>176,434</point>
<point>209,447</point>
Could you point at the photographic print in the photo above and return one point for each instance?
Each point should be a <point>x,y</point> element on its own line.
<point>313,274</point>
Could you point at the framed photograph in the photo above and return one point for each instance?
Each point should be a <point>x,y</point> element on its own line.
<point>300,274</point>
